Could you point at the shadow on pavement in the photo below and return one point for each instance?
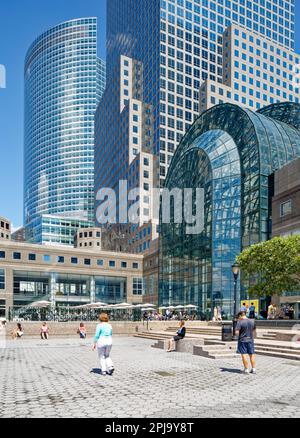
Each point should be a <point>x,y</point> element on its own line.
<point>96,371</point>
<point>231,370</point>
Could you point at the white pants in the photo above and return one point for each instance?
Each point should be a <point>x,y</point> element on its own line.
<point>103,353</point>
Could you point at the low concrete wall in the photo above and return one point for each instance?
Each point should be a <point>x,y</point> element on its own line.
<point>268,324</point>
<point>61,329</point>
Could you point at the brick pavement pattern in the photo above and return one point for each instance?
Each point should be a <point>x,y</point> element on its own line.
<point>60,378</point>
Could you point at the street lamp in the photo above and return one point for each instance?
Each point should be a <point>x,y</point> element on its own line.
<point>236,273</point>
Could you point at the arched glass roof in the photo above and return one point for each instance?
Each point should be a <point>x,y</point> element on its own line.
<point>231,153</point>
<point>275,141</point>
<point>287,112</point>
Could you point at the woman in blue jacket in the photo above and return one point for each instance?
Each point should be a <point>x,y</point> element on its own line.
<point>103,342</point>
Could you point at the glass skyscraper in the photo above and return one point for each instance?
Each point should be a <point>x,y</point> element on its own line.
<point>64,81</point>
<point>181,45</point>
<point>191,54</point>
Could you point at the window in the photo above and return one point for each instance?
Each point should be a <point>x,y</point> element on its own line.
<point>2,254</point>
<point>60,259</point>
<point>112,264</point>
<point>100,263</point>
<point>137,286</point>
<point>87,262</point>
<point>2,279</point>
<point>47,258</point>
<point>17,256</point>
<point>135,265</point>
<point>124,265</point>
<point>32,257</point>
<point>74,260</point>
<point>285,208</point>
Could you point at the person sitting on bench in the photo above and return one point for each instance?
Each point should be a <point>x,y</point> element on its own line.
<point>179,336</point>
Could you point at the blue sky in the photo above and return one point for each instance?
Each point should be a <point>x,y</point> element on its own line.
<point>21,21</point>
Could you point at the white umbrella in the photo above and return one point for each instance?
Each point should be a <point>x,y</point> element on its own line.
<point>95,306</point>
<point>190,306</point>
<point>123,305</point>
<point>40,304</point>
<point>179,307</point>
<point>129,307</point>
<point>148,305</point>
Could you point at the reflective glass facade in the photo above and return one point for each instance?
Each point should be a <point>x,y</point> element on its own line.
<point>180,44</point>
<point>231,153</point>
<point>54,230</point>
<point>64,81</point>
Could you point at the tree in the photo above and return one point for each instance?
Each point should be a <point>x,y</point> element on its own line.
<point>272,267</point>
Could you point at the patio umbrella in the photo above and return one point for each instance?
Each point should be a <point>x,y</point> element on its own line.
<point>179,307</point>
<point>95,306</point>
<point>123,307</point>
<point>40,305</point>
<point>148,305</point>
<point>190,306</point>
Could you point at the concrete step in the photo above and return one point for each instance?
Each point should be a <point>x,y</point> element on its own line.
<point>291,355</point>
<point>278,349</point>
<point>196,330</point>
<point>224,356</point>
<point>219,353</point>
<point>267,337</point>
<point>150,336</point>
<point>216,348</point>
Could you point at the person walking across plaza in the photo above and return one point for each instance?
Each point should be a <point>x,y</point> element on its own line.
<point>179,336</point>
<point>246,331</point>
<point>103,342</point>
<point>44,332</point>
<point>82,331</point>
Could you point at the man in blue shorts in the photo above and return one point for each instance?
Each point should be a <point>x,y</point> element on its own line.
<point>246,331</point>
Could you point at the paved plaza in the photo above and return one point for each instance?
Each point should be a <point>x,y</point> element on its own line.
<point>60,378</point>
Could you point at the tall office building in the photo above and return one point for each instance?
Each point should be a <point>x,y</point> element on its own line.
<point>171,57</point>
<point>64,81</point>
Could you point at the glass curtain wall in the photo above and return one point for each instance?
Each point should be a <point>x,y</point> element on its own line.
<point>231,153</point>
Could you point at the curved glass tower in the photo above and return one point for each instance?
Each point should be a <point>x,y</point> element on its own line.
<point>64,81</point>
<point>231,153</point>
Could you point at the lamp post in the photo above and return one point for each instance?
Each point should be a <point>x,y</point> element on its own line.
<point>236,273</point>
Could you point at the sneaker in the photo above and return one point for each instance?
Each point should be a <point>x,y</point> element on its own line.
<point>103,373</point>
<point>110,372</point>
<point>246,371</point>
<point>253,371</point>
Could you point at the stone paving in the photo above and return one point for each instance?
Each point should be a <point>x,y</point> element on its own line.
<point>59,378</point>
